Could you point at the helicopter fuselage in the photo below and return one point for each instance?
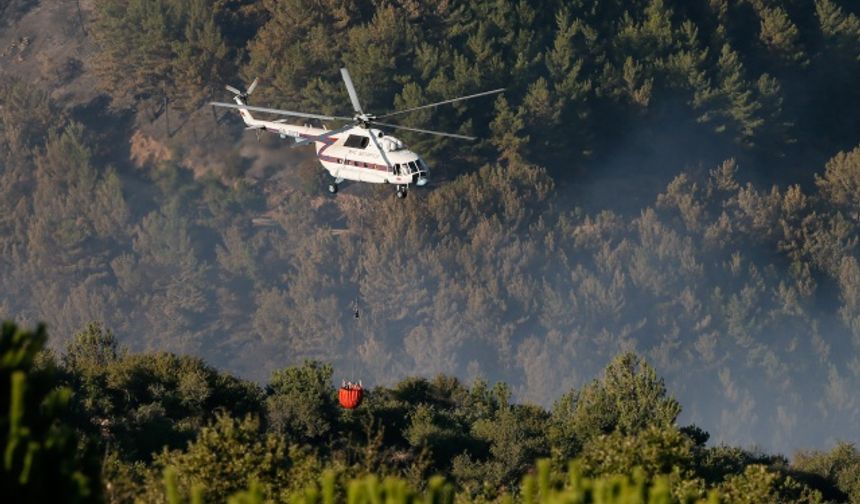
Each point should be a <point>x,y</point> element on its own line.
<point>358,151</point>
<point>351,154</point>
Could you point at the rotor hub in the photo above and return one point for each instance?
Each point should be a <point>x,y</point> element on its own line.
<point>364,119</point>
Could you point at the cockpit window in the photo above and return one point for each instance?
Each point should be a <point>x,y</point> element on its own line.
<point>356,141</point>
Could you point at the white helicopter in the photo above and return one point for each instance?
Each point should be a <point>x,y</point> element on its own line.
<point>345,151</point>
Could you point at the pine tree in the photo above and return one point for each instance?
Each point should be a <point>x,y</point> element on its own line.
<point>200,65</point>
<point>841,181</point>
<point>781,35</point>
<point>629,398</point>
<point>739,105</point>
<point>506,128</point>
<point>840,28</point>
<point>134,38</point>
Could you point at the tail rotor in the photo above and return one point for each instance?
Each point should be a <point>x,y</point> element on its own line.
<point>240,94</point>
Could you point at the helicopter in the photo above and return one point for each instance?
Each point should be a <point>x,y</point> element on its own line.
<point>358,151</point>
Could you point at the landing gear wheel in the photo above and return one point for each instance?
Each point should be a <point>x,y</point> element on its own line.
<point>332,188</point>
<point>401,193</point>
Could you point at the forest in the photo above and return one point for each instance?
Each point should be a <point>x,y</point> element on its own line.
<point>676,181</point>
<point>96,423</point>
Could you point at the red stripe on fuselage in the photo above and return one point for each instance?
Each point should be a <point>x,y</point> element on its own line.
<point>331,141</point>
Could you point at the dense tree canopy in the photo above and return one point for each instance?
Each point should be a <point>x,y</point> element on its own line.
<point>490,448</point>
<point>646,183</point>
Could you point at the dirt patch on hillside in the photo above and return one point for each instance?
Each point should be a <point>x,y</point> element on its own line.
<point>146,150</point>
<point>46,43</point>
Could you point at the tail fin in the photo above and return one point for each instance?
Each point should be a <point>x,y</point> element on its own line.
<point>241,97</point>
<point>245,113</point>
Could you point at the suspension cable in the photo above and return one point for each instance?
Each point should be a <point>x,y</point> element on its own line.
<point>356,304</point>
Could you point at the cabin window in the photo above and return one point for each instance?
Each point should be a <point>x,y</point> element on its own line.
<point>356,141</point>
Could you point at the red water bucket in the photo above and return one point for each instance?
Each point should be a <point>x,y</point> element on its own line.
<point>350,396</point>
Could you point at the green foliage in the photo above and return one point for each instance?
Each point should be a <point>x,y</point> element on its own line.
<point>838,27</point>
<point>41,461</point>
<point>780,34</point>
<point>572,70</point>
<point>92,350</point>
<point>840,466</point>
<point>545,487</point>
<point>507,128</point>
<point>515,436</point>
<point>26,116</point>
<point>370,489</point>
<point>202,56</point>
<point>629,398</point>
<point>301,402</point>
<point>654,450</point>
<point>139,404</point>
<point>841,181</point>
<point>475,434</point>
<point>225,457</point>
<point>163,49</point>
<point>757,484</point>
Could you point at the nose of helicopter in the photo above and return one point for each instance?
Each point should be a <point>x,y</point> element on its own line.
<point>421,182</point>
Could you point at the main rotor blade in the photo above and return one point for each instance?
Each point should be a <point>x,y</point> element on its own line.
<point>320,138</point>
<point>282,112</point>
<point>469,97</point>
<point>252,87</point>
<point>382,152</point>
<point>431,132</point>
<point>353,96</point>
<point>233,90</point>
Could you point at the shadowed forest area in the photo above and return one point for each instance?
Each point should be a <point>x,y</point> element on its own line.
<point>677,179</point>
